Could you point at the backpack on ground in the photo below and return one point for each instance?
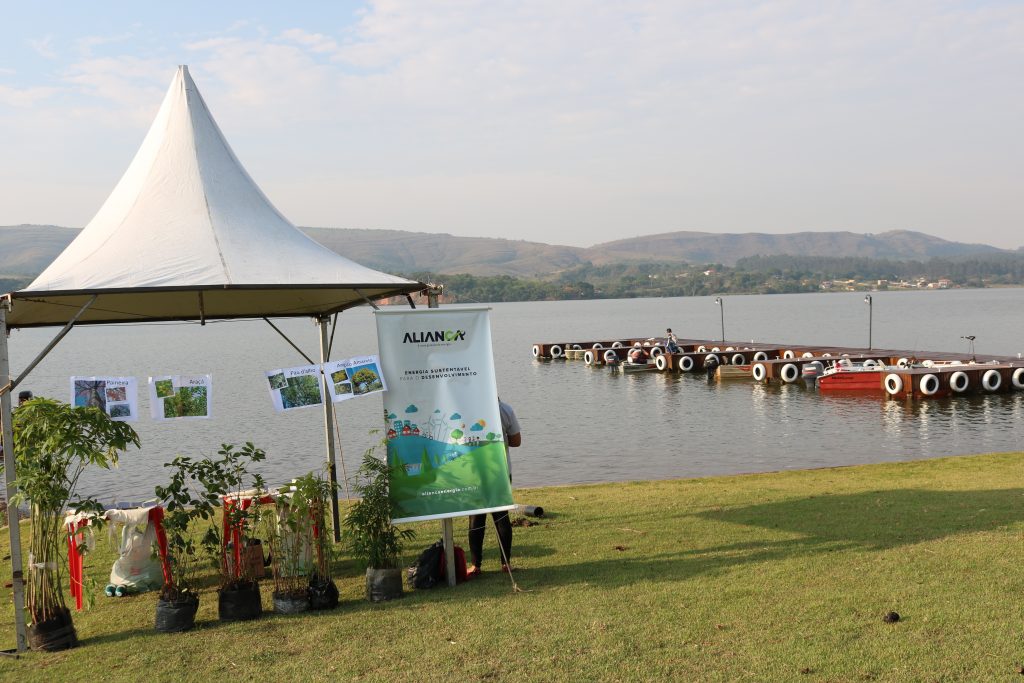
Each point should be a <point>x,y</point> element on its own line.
<point>429,568</point>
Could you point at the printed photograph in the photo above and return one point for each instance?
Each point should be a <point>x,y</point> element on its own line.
<point>303,390</point>
<point>187,402</point>
<point>164,388</point>
<point>120,409</point>
<point>91,394</point>
<point>117,394</point>
<point>342,388</point>
<point>365,378</point>
<point>277,381</point>
<point>339,376</point>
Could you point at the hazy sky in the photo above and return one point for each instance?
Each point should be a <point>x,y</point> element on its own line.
<point>563,121</point>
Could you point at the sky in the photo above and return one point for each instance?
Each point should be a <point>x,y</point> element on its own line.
<point>571,122</point>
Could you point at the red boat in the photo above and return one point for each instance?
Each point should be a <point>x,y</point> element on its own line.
<point>853,378</point>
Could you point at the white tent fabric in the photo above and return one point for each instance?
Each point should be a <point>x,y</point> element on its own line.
<point>187,234</point>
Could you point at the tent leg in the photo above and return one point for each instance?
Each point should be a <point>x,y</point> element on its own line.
<point>10,477</point>
<point>332,447</point>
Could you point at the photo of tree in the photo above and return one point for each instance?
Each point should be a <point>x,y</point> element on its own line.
<point>120,410</point>
<point>365,378</point>
<point>277,381</point>
<point>117,394</point>
<point>164,388</point>
<point>187,402</point>
<point>339,376</point>
<point>91,394</point>
<point>342,387</point>
<point>303,390</point>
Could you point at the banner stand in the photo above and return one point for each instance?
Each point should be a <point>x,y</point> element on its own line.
<point>447,524</point>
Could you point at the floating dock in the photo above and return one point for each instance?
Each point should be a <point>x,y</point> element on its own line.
<point>897,373</point>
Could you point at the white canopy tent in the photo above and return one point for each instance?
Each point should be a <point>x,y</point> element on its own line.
<point>185,235</point>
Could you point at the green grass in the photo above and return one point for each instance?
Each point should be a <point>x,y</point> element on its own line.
<point>772,577</point>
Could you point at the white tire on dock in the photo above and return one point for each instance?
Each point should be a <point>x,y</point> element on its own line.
<point>758,372</point>
<point>617,345</point>
<point>610,356</point>
<point>637,345</point>
<point>730,348</point>
<point>788,354</point>
<point>826,355</point>
<point>870,363</point>
<point>707,359</point>
<point>685,363</point>
<point>577,347</point>
<point>738,359</point>
<point>657,351</point>
<point>929,384</point>
<point>903,363</point>
<point>789,373</point>
<point>661,362</point>
<point>715,349</point>
<point>588,357</point>
<point>555,351</point>
<point>536,350</point>
<point>597,345</point>
<point>959,381</point>
<point>702,349</point>
<point>991,380</point>
<point>893,384</point>
<point>928,364</point>
<point>807,354</point>
<point>1018,378</point>
<point>760,355</point>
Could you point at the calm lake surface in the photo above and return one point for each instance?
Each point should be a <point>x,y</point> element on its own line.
<point>579,424</point>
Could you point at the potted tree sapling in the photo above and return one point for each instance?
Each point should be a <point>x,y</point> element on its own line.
<point>232,547</point>
<point>323,593</point>
<point>53,444</point>
<point>372,537</point>
<point>289,532</point>
<point>192,494</point>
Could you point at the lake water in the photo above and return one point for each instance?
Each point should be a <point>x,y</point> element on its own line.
<point>580,424</point>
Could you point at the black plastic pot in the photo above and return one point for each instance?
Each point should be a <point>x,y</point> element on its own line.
<point>53,634</point>
<point>289,603</point>
<point>383,584</point>
<point>239,602</point>
<point>176,616</point>
<point>322,594</point>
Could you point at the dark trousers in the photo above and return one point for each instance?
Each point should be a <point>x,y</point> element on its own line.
<point>477,528</point>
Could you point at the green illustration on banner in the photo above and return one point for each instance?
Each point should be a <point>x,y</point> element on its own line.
<point>443,466</point>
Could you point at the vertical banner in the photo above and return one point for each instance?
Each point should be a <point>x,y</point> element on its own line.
<point>118,397</point>
<point>354,377</point>
<point>292,388</point>
<point>445,444</point>
<point>181,397</point>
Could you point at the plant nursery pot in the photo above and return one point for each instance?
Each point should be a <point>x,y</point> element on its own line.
<point>53,634</point>
<point>383,584</point>
<point>239,602</point>
<point>323,595</point>
<point>291,603</point>
<point>176,616</point>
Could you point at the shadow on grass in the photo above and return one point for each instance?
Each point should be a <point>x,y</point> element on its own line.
<point>870,521</point>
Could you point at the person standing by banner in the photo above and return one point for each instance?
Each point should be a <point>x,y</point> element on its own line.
<point>478,523</point>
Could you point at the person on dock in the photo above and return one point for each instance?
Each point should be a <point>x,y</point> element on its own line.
<point>638,356</point>
<point>478,523</point>
<point>671,343</point>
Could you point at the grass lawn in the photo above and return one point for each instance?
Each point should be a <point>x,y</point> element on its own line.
<point>772,577</point>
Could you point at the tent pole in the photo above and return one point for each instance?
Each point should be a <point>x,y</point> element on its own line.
<point>10,487</point>
<point>332,447</point>
<point>447,524</point>
<point>9,385</point>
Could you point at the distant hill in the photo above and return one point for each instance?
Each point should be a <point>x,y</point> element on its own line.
<point>26,249</point>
